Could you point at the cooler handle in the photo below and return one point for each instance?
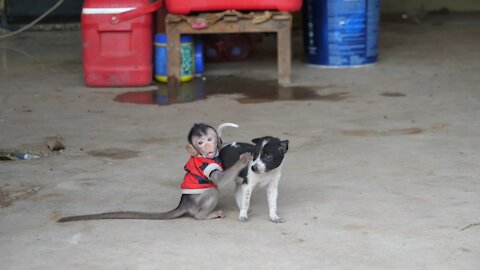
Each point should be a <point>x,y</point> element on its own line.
<point>125,16</point>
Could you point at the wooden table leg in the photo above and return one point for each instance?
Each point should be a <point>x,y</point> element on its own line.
<point>284,50</point>
<point>173,55</point>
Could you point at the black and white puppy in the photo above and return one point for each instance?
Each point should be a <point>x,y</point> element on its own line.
<point>264,171</point>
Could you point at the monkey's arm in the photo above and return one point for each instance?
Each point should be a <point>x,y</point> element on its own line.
<point>221,178</point>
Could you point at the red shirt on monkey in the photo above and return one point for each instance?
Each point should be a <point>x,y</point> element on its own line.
<point>198,170</point>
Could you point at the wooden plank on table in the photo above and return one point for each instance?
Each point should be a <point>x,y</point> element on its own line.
<point>245,26</point>
<point>230,18</point>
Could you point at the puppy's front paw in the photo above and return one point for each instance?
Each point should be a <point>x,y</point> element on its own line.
<point>245,158</point>
<point>277,220</point>
<point>243,219</point>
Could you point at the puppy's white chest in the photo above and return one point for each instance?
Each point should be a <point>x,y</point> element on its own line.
<point>263,179</point>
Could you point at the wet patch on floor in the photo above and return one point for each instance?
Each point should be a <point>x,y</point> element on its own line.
<point>114,153</point>
<point>250,91</point>
<point>375,133</point>
<point>86,181</point>
<point>393,94</point>
<point>440,127</point>
<point>7,197</point>
<point>48,196</point>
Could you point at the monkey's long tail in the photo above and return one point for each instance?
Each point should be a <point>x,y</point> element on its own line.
<point>222,126</point>
<point>177,212</point>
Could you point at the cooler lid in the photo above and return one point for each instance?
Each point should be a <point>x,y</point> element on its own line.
<point>112,7</point>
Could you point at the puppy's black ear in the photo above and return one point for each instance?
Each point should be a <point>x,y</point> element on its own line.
<point>283,148</point>
<point>256,140</point>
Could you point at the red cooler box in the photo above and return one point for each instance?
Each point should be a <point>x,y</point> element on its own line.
<point>117,42</point>
<point>187,6</point>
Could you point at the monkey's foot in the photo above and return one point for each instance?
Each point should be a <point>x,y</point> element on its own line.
<point>216,214</point>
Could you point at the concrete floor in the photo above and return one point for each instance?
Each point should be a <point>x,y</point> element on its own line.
<point>384,178</point>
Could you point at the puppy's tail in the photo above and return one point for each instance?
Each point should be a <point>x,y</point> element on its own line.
<point>177,212</point>
<point>221,126</point>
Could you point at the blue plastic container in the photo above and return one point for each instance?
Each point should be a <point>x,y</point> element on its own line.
<point>341,33</point>
<point>186,58</point>
<point>198,52</point>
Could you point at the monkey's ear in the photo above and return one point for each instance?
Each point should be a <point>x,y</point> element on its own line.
<point>190,149</point>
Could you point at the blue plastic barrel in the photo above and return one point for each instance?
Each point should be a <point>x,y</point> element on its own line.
<point>341,33</point>
<point>186,58</point>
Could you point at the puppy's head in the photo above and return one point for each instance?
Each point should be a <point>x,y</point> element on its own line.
<point>268,154</point>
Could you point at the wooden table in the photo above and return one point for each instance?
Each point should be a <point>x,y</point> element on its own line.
<point>280,23</point>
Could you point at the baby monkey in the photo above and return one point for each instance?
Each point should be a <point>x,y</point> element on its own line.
<point>204,173</point>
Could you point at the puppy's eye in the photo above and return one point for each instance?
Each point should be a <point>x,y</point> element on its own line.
<point>200,142</point>
<point>268,157</point>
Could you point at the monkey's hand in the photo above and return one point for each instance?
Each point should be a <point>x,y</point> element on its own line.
<point>229,175</point>
<point>245,158</point>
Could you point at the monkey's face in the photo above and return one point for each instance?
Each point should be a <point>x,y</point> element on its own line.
<point>207,144</point>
